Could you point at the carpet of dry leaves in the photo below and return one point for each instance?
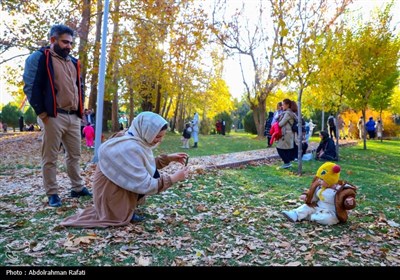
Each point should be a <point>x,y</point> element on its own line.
<point>48,244</point>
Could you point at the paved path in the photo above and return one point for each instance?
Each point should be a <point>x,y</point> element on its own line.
<point>241,158</point>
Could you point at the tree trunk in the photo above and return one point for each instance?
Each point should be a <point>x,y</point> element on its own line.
<point>131,106</point>
<point>83,38</point>
<point>259,118</point>
<point>174,119</point>
<point>112,69</point>
<point>168,107</point>
<point>158,102</point>
<point>96,57</point>
<point>364,130</point>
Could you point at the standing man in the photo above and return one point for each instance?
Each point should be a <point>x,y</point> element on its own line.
<point>54,89</point>
<point>223,127</point>
<point>332,125</point>
<point>21,123</point>
<point>195,127</point>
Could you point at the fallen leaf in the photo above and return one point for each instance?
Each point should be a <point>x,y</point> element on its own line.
<point>143,261</point>
<point>293,264</point>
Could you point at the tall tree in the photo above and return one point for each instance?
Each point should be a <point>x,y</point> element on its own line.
<point>96,56</point>
<point>251,39</point>
<point>336,76</point>
<point>83,32</point>
<point>112,78</point>
<point>302,23</point>
<point>377,52</point>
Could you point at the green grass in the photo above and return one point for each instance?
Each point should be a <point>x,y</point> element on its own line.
<point>212,144</point>
<point>227,217</point>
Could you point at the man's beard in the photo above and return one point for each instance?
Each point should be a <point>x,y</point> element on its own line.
<point>60,51</point>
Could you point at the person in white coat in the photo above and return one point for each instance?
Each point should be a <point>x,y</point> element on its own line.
<point>195,127</point>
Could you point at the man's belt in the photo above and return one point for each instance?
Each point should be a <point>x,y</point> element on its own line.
<point>69,112</point>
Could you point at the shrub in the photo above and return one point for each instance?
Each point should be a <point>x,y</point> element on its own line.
<point>249,125</point>
<point>205,126</point>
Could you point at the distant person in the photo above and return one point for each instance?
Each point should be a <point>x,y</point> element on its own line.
<point>379,129</point>
<point>195,127</point>
<point>285,145</point>
<point>187,132</point>
<point>5,126</point>
<point>310,132</point>
<point>304,142</point>
<point>326,149</point>
<point>218,126</point>
<point>332,126</point>
<point>370,126</point>
<point>267,128</point>
<point>361,127</point>
<point>90,117</point>
<point>127,172</point>
<point>223,127</point>
<point>327,200</point>
<point>21,123</point>
<point>55,91</point>
<point>351,130</point>
<point>277,113</point>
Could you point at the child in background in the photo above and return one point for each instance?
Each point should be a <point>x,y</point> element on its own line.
<point>186,136</point>
<point>88,132</point>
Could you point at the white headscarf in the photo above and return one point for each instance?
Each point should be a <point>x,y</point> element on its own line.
<point>128,161</point>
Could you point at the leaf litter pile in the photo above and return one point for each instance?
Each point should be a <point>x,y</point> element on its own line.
<point>212,219</point>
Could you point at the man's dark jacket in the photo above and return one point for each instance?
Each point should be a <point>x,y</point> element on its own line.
<point>39,83</point>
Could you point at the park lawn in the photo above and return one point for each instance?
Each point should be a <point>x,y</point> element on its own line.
<point>213,144</point>
<point>222,217</point>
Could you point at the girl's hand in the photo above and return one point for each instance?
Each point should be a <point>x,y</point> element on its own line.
<point>178,157</point>
<point>303,197</point>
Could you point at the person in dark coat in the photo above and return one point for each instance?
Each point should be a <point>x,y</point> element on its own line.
<point>21,123</point>
<point>268,128</point>
<point>326,149</point>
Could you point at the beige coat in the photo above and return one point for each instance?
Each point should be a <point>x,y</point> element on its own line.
<point>112,205</point>
<point>285,122</point>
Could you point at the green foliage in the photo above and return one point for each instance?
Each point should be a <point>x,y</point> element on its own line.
<point>205,126</point>
<point>10,115</point>
<point>30,116</point>
<point>242,108</point>
<point>248,122</point>
<point>377,53</point>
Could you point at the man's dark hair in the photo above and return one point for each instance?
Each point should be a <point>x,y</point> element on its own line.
<point>60,29</point>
